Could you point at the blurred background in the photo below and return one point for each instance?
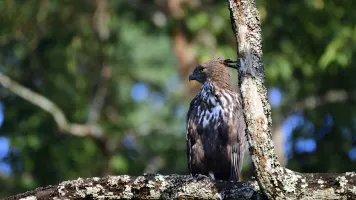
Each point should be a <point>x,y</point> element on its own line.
<point>118,69</point>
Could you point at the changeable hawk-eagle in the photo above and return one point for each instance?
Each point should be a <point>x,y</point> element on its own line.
<point>215,124</point>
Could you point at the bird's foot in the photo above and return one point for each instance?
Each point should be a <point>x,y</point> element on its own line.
<point>232,64</point>
<point>199,176</point>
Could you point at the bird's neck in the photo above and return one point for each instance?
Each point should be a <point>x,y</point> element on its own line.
<point>221,82</point>
<point>210,90</point>
<point>216,87</point>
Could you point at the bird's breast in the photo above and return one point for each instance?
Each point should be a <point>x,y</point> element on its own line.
<point>212,117</point>
<point>214,111</point>
<point>215,106</point>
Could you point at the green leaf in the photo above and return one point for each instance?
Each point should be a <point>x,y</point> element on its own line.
<point>119,163</point>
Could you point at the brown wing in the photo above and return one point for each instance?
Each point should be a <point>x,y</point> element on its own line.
<point>218,148</point>
<point>195,154</point>
<point>237,145</point>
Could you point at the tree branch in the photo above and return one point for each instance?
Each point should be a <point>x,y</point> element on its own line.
<point>145,187</point>
<point>47,105</point>
<point>275,181</point>
<point>332,96</point>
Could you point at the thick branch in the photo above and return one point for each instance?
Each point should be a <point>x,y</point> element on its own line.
<point>145,187</point>
<point>275,181</point>
<point>51,108</point>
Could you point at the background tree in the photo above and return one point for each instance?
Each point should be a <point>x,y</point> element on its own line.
<point>122,65</point>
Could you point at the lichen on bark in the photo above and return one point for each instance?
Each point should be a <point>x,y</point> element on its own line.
<point>146,187</point>
<point>275,181</point>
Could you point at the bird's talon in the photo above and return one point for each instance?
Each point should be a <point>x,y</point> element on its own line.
<point>200,176</point>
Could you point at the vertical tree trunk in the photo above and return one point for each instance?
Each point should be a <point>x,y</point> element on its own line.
<point>275,181</point>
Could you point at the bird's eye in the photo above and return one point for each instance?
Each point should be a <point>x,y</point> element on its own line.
<point>202,70</point>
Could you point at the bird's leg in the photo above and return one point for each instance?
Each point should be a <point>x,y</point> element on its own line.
<point>241,65</point>
<point>232,64</point>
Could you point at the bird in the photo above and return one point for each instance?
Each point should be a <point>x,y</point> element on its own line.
<point>215,125</point>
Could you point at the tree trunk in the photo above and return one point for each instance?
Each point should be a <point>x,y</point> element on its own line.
<point>275,181</point>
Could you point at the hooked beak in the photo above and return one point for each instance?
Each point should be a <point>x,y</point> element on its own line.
<point>192,77</point>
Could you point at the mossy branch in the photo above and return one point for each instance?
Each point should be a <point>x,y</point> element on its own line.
<point>145,187</point>
<point>274,180</point>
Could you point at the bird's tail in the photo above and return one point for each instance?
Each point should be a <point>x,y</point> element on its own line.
<point>237,155</point>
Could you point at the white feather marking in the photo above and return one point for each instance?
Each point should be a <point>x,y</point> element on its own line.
<point>213,100</point>
<point>211,174</point>
<point>190,159</point>
<point>217,125</point>
<point>233,163</point>
<point>213,115</point>
<point>225,101</point>
<point>206,121</point>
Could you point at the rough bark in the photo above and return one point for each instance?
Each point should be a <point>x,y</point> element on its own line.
<point>145,187</point>
<point>275,181</point>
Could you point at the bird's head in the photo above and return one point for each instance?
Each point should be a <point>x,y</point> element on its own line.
<point>214,71</point>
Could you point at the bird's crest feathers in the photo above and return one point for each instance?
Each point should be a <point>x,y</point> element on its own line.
<point>227,62</point>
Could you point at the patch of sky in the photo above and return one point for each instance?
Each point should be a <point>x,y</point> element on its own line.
<point>157,100</point>
<point>129,142</point>
<point>328,123</point>
<point>5,168</point>
<point>288,126</point>
<point>181,110</point>
<point>139,92</point>
<point>352,153</point>
<point>11,60</point>
<point>173,84</point>
<point>275,96</point>
<point>1,113</point>
<point>346,132</point>
<point>305,145</point>
<point>4,147</point>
